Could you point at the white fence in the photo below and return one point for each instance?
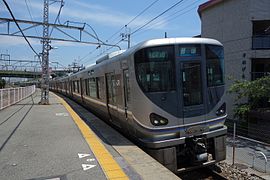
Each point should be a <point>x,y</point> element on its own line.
<point>11,96</point>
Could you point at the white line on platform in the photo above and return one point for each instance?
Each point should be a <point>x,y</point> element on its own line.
<point>83,155</point>
<point>87,166</point>
<point>90,160</point>
<point>61,114</point>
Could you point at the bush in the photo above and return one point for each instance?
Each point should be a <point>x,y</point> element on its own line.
<point>257,92</point>
<point>2,83</point>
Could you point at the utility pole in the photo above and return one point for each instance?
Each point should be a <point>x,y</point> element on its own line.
<point>234,134</point>
<point>128,40</point>
<point>45,56</point>
<point>126,36</point>
<point>47,38</point>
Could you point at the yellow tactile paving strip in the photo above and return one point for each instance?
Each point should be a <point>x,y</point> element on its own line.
<point>110,167</point>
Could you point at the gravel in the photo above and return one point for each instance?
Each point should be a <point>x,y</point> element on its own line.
<point>232,172</point>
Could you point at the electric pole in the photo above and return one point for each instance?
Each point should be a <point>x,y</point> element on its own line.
<point>126,36</point>
<point>47,38</point>
<point>45,56</point>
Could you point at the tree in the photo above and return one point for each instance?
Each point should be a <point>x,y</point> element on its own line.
<point>257,92</point>
<point>2,83</point>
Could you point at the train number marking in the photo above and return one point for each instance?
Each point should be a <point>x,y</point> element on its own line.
<point>90,160</point>
<point>83,155</point>
<point>87,166</point>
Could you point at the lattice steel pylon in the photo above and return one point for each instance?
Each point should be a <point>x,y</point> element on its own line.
<point>45,56</point>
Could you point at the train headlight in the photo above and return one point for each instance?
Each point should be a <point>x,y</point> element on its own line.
<point>222,110</point>
<point>158,120</point>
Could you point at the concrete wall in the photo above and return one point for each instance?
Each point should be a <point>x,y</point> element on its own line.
<point>230,22</point>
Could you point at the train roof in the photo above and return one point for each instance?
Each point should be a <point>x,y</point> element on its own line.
<point>170,41</point>
<point>150,43</point>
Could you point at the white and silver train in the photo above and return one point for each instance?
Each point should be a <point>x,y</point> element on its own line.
<point>166,94</point>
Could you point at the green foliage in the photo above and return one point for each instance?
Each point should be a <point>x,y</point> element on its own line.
<point>2,83</point>
<point>256,91</point>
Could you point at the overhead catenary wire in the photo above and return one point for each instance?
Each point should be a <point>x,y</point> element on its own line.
<point>176,13</point>
<point>14,19</point>
<point>28,9</point>
<point>58,16</point>
<point>169,18</point>
<point>91,52</point>
<point>112,46</point>
<point>133,19</point>
<point>148,22</point>
<point>84,24</point>
<point>94,36</point>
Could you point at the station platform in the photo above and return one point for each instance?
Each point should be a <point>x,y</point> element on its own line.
<point>63,141</point>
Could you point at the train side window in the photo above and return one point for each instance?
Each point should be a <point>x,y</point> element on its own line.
<point>67,86</point>
<point>100,85</point>
<point>93,87</point>
<point>74,86</point>
<point>86,87</point>
<point>110,81</point>
<point>78,85</point>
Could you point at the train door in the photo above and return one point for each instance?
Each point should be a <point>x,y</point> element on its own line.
<point>127,104</point>
<point>71,88</point>
<point>192,92</point>
<point>66,88</point>
<point>126,92</point>
<point>82,88</point>
<point>111,98</point>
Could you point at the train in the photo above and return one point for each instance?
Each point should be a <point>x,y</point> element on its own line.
<point>165,94</point>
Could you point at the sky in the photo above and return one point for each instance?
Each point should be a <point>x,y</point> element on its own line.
<point>106,18</point>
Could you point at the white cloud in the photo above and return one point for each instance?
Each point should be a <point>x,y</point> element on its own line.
<point>67,44</point>
<point>90,6</point>
<point>106,19</point>
<point>90,13</point>
<point>14,41</point>
<point>36,8</point>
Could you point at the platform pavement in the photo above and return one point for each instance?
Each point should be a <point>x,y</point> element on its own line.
<point>122,149</point>
<point>43,142</point>
<point>244,152</point>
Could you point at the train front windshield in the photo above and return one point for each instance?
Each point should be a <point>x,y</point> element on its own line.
<point>214,65</point>
<point>156,67</point>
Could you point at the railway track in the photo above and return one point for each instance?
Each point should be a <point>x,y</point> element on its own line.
<point>206,173</point>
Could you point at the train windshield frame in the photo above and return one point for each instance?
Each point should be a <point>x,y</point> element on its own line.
<point>155,68</point>
<point>214,65</point>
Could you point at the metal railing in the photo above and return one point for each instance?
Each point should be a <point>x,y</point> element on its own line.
<point>261,42</point>
<point>256,75</point>
<point>11,96</point>
<point>258,154</point>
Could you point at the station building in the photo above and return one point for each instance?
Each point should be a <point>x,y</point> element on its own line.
<point>243,27</point>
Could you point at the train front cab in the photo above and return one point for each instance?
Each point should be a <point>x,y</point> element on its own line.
<point>184,86</point>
